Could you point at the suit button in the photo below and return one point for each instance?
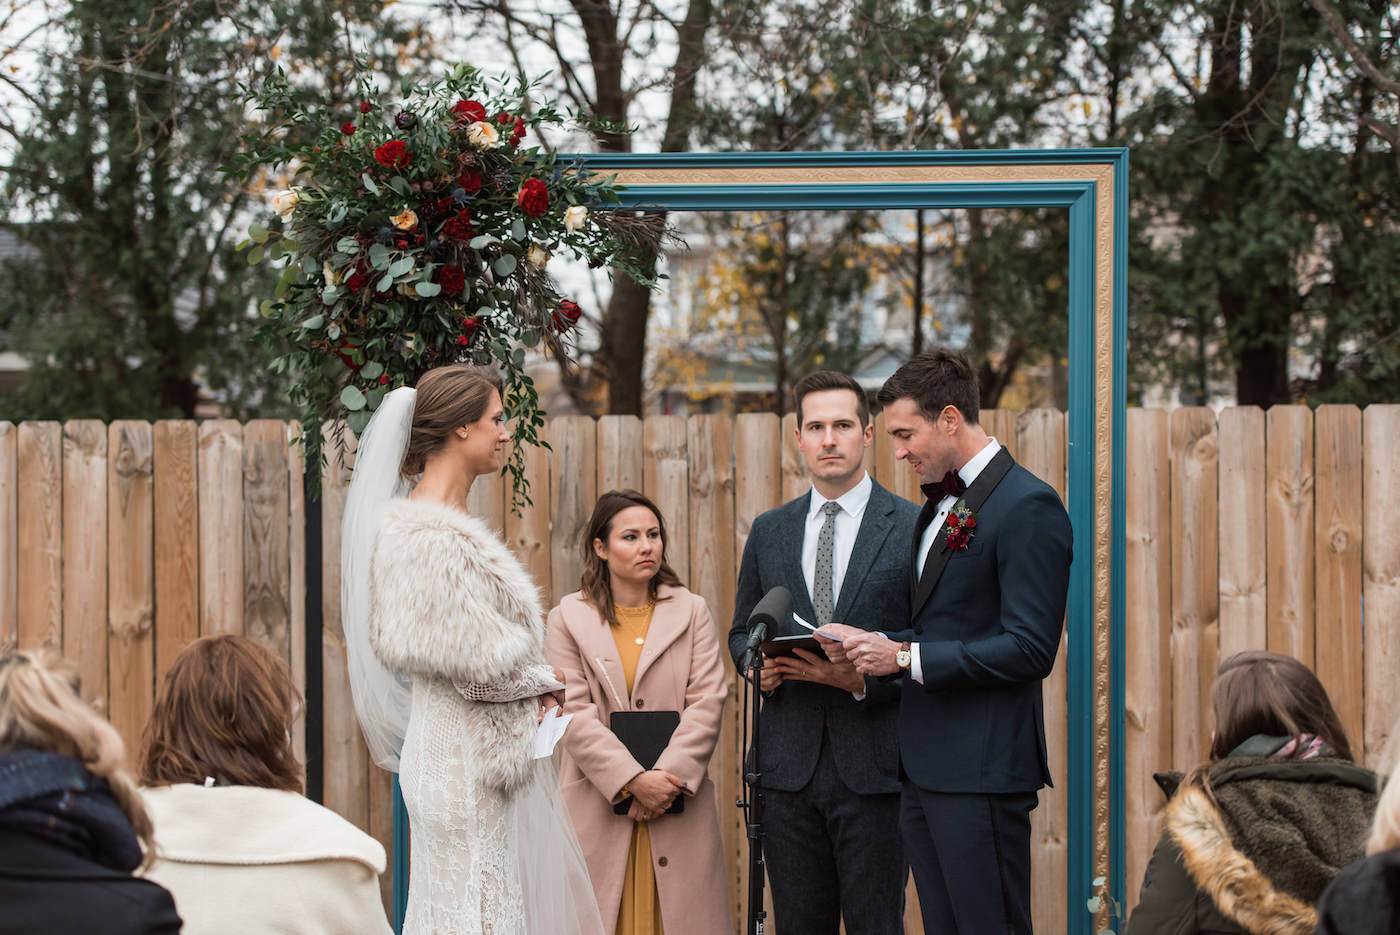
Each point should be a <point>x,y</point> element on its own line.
<point>661,861</point>
<point>639,702</point>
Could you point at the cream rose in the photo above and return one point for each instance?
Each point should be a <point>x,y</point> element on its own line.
<point>285,203</point>
<point>406,220</point>
<point>574,218</point>
<point>483,135</point>
<point>537,257</point>
<point>332,275</point>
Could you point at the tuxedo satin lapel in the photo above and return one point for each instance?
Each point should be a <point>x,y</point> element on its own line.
<point>875,525</point>
<point>597,647</point>
<point>926,515</point>
<point>668,622</point>
<point>974,497</point>
<point>793,527</point>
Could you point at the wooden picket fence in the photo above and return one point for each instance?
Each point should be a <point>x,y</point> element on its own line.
<point>120,543</point>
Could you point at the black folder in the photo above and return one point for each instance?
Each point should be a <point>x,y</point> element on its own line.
<point>784,646</point>
<point>645,734</point>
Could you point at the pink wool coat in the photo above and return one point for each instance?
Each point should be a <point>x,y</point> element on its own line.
<point>679,670</point>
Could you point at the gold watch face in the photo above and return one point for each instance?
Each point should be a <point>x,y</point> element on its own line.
<point>901,658</point>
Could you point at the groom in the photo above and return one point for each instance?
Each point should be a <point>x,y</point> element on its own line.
<point>991,557</point>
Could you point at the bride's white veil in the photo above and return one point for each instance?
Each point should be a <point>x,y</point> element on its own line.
<point>382,700</point>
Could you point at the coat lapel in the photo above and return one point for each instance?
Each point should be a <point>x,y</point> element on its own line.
<point>594,639</point>
<point>668,621</point>
<point>875,525</point>
<point>939,553</point>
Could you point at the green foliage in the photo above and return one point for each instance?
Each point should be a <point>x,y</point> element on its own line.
<point>127,299</point>
<point>416,235</point>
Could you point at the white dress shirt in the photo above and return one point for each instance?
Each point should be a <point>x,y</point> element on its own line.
<point>852,504</point>
<point>968,472</point>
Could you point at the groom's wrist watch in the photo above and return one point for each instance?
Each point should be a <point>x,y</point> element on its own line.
<point>902,657</point>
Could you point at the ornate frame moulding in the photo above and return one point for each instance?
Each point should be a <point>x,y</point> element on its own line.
<point>1093,185</point>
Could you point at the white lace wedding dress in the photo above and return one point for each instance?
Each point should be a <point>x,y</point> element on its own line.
<point>492,849</point>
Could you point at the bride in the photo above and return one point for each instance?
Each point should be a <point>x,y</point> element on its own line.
<point>445,645</point>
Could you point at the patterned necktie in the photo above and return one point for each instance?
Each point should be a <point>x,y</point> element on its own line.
<point>826,558</point>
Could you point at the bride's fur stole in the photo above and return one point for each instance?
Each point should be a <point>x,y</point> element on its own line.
<point>449,601</point>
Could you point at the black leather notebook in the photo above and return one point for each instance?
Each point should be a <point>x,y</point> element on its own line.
<point>784,645</point>
<point>645,734</point>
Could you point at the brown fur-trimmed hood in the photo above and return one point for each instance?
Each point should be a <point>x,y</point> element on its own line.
<point>1276,834</point>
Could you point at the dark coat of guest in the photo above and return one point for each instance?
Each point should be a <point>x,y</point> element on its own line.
<point>66,855</point>
<point>1364,899</point>
<point>1255,852</point>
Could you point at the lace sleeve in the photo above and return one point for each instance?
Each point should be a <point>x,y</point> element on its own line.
<point>526,682</point>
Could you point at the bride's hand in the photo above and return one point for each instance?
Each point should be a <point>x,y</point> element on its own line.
<point>546,702</point>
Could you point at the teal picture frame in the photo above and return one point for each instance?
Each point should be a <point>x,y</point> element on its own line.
<point>1092,185</point>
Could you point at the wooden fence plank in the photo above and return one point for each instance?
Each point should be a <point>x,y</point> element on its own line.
<point>619,453</point>
<point>1381,550</point>
<point>488,498</point>
<point>85,555</point>
<point>527,532</point>
<point>296,575</point>
<point>710,442</point>
<point>9,536</point>
<point>1147,683</point>
<point>666,481</point>
<point>1244,568</point>
<point>1039,437</point>
<point>1003,425</point>
<point>175,460</point>
<point>131,584</point>
<point>1290,531</point>
<point>894,475</point>
<point>758,462</point>
<point>347,764</point>
<point>1338,509</point>
<point>266,589</point>
<point>1195,580</point>
<point>220,526</point>
<point>572,493</point>
<point>792,469</point>
<point>39,519</point>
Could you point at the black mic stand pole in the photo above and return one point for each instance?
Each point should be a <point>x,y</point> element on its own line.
<point>753,797</point>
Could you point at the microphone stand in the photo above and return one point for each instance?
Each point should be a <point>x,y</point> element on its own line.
<point>752,802</point>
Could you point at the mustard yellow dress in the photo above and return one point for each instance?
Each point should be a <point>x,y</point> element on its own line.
<point>640,910</point>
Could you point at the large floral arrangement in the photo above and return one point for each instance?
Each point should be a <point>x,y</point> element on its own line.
<point>416,233</point>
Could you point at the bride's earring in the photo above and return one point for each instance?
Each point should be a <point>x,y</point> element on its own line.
<point>461,433</point>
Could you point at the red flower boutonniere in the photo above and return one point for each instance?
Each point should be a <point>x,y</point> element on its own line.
<point>962,525</point>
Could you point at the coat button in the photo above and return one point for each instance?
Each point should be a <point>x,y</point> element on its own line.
<point>639,702</point>
<point>661,861</point>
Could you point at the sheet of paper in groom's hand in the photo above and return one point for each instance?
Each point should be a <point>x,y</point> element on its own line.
<point>549,732</point>
<point>824,633</point>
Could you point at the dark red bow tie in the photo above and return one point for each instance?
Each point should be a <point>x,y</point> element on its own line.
<point>950,486</point>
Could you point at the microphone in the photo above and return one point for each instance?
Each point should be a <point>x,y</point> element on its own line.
<point>771,614</point>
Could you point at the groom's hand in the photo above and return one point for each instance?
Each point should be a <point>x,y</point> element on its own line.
<point>806,666</point>
<point>835,649</point>
<point>872,653</point>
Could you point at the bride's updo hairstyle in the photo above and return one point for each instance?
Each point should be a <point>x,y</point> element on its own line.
<point>448,398</point>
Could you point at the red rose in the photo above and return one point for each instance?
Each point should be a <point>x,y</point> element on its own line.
<point>348,127</point>
<point>452,279</point>
<point>970,522</point>
<point>357,281</point>
<point>393,154</point>
<point>533,198</point>
<point>383,379</point>
<point>566,315</point>
<point>470,326</point>
<point>365,107</point>
<point>463,340</point>
<point>504,118</point>
<point>470,180</point>
<point>343,352</point>
<point>458,227</point>
<point>469,111</point>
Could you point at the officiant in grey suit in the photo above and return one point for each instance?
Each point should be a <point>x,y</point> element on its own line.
<point>830,750</point>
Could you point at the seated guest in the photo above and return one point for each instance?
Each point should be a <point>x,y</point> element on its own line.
<point>238,845</point>
<point>72,824</point>
<point>1365,897</point>
<point>1256,834</point>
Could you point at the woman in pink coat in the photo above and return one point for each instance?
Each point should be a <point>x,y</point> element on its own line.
<point>633,639</point>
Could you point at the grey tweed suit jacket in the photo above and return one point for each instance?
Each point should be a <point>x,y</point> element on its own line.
<point>874,592</point>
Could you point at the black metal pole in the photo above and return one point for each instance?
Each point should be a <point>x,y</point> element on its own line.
<point>753,797</point>
<point>315,703</point>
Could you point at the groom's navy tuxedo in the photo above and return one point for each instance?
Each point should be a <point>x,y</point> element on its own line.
<point>987,619</point>
<point>829,761</point>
